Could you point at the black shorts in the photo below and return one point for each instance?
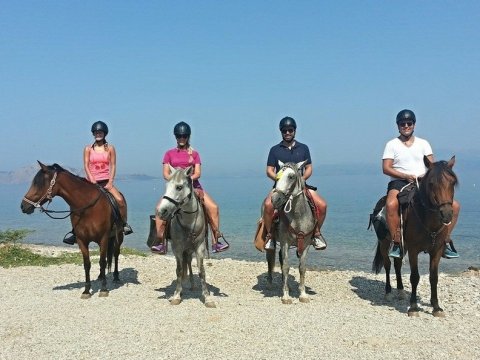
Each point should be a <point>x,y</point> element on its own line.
<point>397,185</point>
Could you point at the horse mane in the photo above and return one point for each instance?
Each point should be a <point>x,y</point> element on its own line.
<point>441,169</point>
<point>39,180</point>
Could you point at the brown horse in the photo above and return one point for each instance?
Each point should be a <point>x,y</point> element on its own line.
<point>426,221</point>
<point>91,214</point>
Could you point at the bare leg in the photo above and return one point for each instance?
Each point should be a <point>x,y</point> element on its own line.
<point>393,220</point>
<point>456,211</point>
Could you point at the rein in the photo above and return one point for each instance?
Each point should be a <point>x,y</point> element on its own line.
<point>49,197</point>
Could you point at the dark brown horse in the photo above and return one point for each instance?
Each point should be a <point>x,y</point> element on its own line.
<point>426,221</point>
<point>90,212</point>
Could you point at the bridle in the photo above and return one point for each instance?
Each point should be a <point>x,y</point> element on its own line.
<point>49,197</point>
<point>289,193</point>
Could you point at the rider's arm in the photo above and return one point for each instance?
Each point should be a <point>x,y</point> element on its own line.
<point>197,171</point>
<point>166,171</point>
<point>307,172</point>
<point>271,172</point>
<point>388,169</point>
<point>113,165</point>
<point>86,162</point>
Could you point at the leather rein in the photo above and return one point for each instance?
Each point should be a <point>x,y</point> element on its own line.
<point>49,197</point>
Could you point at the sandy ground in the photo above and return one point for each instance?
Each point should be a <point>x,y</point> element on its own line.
<point>43,317</point>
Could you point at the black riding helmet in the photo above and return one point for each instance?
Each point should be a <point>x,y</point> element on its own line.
<point>406,115</point>
<point>100,126</point>
<point>182,128</point>
<point>287,122</point>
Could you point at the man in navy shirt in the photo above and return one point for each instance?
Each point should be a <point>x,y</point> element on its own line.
<point>290,150</point>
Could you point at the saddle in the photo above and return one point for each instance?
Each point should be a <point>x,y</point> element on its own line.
<point>116,216</point>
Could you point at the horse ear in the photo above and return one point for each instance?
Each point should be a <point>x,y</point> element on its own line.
<point>42,166</point>
<point>427,162</point>
<point>172,169</point>
<point>280,163</point>
<point>301,164</point>
<point>451,162</point>
<point>189,170</point>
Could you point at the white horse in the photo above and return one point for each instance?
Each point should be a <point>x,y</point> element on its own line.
<point>188,229</point>
<point>296,226</point>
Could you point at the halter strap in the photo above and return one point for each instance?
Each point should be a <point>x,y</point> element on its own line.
<point>47,195</point>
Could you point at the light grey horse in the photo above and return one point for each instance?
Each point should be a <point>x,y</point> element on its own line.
<point>188,229</point>
<point>295,227</point>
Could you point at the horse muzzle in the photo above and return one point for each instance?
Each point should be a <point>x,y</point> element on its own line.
<point>27,208</point>
<point>446,213</point>
<point>278,200</point>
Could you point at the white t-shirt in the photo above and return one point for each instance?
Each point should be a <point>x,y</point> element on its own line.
<point>408,160</point>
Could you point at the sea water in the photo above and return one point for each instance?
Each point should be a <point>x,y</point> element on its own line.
<point>350,199</point>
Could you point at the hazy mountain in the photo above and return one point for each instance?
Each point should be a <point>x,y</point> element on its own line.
<point>25,175</point>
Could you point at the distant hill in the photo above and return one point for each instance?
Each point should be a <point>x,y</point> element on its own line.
<point>25,175</point>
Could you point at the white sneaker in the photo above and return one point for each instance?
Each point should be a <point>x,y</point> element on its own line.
<point>270,245</point>
<point>319,243</point>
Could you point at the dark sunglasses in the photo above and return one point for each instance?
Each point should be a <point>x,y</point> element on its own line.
<point>181,136</point>
<point>286,131</point>
<point>405,123</point>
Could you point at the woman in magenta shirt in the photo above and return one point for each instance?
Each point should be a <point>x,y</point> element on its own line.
<point>183,156</point>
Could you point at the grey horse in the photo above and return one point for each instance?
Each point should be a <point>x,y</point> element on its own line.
<point>295,227</point>
<point>188,229</point>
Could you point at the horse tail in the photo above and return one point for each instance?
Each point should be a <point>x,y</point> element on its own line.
<point>378,259</point>
<point>112,240</point>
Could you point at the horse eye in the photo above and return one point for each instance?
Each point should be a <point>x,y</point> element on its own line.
<point>291,176</point>
<point>179,187</point>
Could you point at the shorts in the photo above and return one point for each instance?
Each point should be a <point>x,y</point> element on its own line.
<point>397,185</point>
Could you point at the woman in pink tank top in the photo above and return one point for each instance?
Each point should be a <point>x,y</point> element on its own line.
<point>183,156</point>
<point>99,161</point>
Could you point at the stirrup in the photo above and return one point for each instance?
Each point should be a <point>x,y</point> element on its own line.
<point>70,240</point>
<point>127,229</point>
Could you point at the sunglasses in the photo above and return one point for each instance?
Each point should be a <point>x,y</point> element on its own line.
<point>181,136</point>
<point>286,131</point>
<point>405,123</point>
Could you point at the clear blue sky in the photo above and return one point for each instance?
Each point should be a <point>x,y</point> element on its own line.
<point>232,70</point>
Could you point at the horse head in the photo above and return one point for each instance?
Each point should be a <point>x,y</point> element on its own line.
<point>289,183</point>
<point>437,188</point>
<point>42,188</point>
<point>179,190</point>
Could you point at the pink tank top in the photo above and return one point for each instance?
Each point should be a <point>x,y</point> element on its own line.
<point>99,165</point>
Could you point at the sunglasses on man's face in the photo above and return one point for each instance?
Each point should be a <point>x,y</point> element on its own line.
<point>286,131</point>
<point>405,123</point>
<point>181,136</point>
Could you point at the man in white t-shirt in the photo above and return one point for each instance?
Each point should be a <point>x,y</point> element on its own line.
<point>403,162</point>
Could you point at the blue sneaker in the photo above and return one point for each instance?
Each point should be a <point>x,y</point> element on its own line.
<point>449,253</point>
<point>395,251</point>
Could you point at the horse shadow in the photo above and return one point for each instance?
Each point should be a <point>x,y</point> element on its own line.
<point>127,276</point>
<point>187,292</point>
<point>275,289</point>
<point>374,292</point>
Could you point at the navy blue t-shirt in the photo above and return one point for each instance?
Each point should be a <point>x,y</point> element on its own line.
<point>298,152</point>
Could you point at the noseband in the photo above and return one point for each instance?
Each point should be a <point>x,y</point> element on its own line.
<point>288,194</point>
<point>47,195</point>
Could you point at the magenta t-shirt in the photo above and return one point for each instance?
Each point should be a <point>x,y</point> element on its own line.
<point>180,158</point>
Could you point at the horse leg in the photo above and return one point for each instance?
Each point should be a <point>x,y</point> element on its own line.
<point>103,265</point>
<point>397,263</point>
<point>414,279</point>
<point>302,268</point>
<point>387,263</point>
<point>271,267</point>
<point>190,272</point>
<point>206,294</point>
<point>116,277</point>
<point>286,299</point>
<point>177,296</point>
<point>437,310</point>
<point>86,266</point>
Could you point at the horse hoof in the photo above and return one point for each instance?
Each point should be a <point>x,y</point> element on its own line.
<point>86,296</point>
<point>210,304</point>
<point>388,297</point>
<point>304,300</point>
<point>439,314</point>
<point>103,293</point>
<point>413,313</point>
<point>287,301</point>
<point>175,301</point>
